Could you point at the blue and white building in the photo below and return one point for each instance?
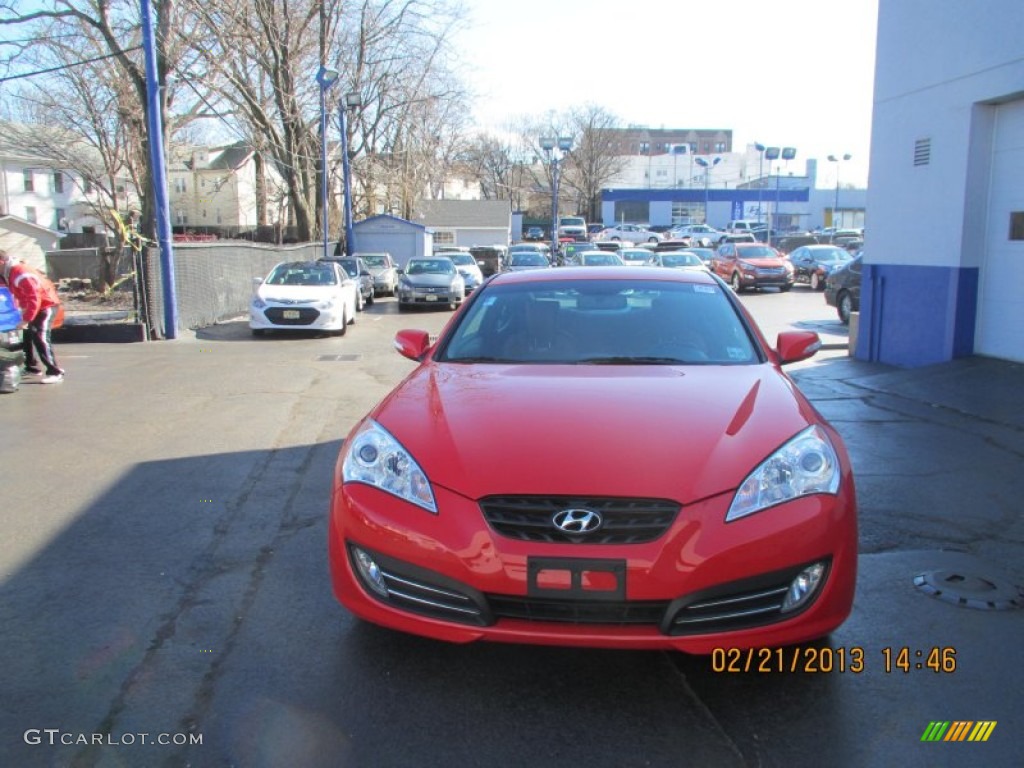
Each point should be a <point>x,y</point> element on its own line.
<point>944,258</point>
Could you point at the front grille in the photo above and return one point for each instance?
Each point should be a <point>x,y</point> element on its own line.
<point>648,612</point>
<point>625,521</point>
<point>307,315</point>
<point>740,605</point>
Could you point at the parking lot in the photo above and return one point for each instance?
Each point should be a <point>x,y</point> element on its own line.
<point>165,574</point>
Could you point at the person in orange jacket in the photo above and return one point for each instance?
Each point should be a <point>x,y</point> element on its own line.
<point>37,299</point>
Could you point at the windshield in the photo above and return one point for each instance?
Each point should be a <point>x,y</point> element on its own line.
<point>463,259</point>
<point>527,259</point>
<point>430,267</point>
<point>601,322</point>
<point>375,261</point>
<point>636,257</point>
<point>299,273</point>
<point>681,260</point>
<point>831,254</point>
<point>601,259</point>
<point>757,252</point>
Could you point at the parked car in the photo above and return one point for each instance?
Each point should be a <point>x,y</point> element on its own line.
<point>534,233</point>
<point>699,234</point>
<point>842,288</point>
<point>304,296</point>
<point>687,260</point>
<point>634,233</point>
<point>12,355</point>
<point>599,259</point>
<point>489,258</point>
<point>384,271</point>
<point>714,518</point>
<point>752,265</point>
<point>430,282</point>
<point>813,263</point>
<point>789,243</point>
<point>469,269</point>
<point>674,244</point>
<point>358,270</point>
<point>637,257</point>
<point>572,228</point>
<point>568,252</point>
<point>706,254</point>
<point>519,260</point>
<point>737,237</point>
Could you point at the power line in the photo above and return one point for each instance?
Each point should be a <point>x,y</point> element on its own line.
<point>68,66</point>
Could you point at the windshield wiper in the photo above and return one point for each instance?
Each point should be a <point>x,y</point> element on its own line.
<point>632,360</point>
<point>477,359</point>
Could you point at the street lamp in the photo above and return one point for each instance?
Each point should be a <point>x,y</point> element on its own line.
<point>352,101</point>
<point>707,174</point>
<point>835,205</point>
<point>325,78</point>
<point>760,176</point>
<point>563,144</point>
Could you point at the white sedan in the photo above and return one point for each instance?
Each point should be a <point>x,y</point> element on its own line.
<point>630,232</point>
<point>304,296</point>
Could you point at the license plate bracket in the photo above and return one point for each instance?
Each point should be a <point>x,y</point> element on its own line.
<point>576,578</point>
<point>290,314</point>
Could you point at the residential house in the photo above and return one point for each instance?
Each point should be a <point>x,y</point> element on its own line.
<point>27,240</point>
<point>227,191</point>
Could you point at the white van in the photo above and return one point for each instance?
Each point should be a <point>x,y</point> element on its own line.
<point>744,225</point>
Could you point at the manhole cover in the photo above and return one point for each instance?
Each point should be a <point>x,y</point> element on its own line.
<point>338,358</point>
<point>970,590</point>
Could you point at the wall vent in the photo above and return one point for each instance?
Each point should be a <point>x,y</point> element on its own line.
<point>922,151</point>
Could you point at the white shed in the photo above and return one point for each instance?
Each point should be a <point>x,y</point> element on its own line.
<point>401,238</point>
<point>29,242</point>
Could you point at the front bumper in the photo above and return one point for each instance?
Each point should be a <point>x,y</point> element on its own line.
<point>425,298</point>
<point>459,580</point>
<point>766,278</point>
<point>296,317</point>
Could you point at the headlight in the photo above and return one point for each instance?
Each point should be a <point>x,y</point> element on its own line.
<point>746,265</point>
<point>325,304</point>
<point>404,282</point>
<point>806,464</point>
<point>376,458</point>
<point>258,303</point>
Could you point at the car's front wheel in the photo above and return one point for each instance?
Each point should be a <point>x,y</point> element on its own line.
<point>816,284</point>
<point>736,283</point>
<point>844,306</point>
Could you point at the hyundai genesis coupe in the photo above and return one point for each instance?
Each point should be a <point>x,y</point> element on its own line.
<point>598,457</point>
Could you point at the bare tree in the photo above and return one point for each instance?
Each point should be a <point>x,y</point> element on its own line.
<point>594,159</point>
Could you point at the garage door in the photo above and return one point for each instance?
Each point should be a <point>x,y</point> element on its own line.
<point>1001,294</point>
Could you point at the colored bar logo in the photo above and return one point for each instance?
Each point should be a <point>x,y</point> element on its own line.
<point>958,730</point>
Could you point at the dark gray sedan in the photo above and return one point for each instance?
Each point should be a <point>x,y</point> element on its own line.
<point>430,282</point>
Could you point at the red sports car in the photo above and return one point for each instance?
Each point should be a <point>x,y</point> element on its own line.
<point>607,457</point>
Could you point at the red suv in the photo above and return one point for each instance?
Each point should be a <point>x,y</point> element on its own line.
<point>752,265</point>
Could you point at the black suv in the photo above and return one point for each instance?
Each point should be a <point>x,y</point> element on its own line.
<point>842,289</point>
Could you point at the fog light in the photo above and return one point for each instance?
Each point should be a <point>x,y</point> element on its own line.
<point>803,587</point>
<point>370,572</point>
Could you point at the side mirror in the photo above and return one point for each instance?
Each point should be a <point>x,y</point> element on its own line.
<point>794,346</point>
<point>412,344</point>
<point>365,273</point>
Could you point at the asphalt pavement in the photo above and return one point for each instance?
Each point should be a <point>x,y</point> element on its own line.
<point>163,570</point>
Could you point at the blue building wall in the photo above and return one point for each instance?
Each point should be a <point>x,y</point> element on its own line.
<point>927,313</point>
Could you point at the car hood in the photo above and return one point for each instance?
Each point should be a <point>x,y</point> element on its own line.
<point>763,262</point>
<point>582,429</point>
<point>296,294</point>
<point>375,271</point>
<point>428,279</point>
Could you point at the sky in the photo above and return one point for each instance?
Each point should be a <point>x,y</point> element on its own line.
<point>788,73</point>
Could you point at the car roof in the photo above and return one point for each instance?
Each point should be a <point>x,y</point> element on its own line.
<point>608,273</point>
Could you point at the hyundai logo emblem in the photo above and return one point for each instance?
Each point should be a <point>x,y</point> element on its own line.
<point>577,521</point>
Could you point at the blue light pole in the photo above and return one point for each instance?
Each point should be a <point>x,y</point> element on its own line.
<point>564,145</point>
<point>157,159</point>
<point>352,101</point>
<point>707,175</point>
<point>325,78</point>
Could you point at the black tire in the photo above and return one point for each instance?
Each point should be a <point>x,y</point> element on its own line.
<point>402,307</point>
<point>370,299</point>
<point>652,240</point>
<point>736,283</point>
<point>785,288</point>
<point>259,332</point>
<point>344,322</point>
<point>844,307</point>
<point>816,282</point>
<point>359,301</point>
